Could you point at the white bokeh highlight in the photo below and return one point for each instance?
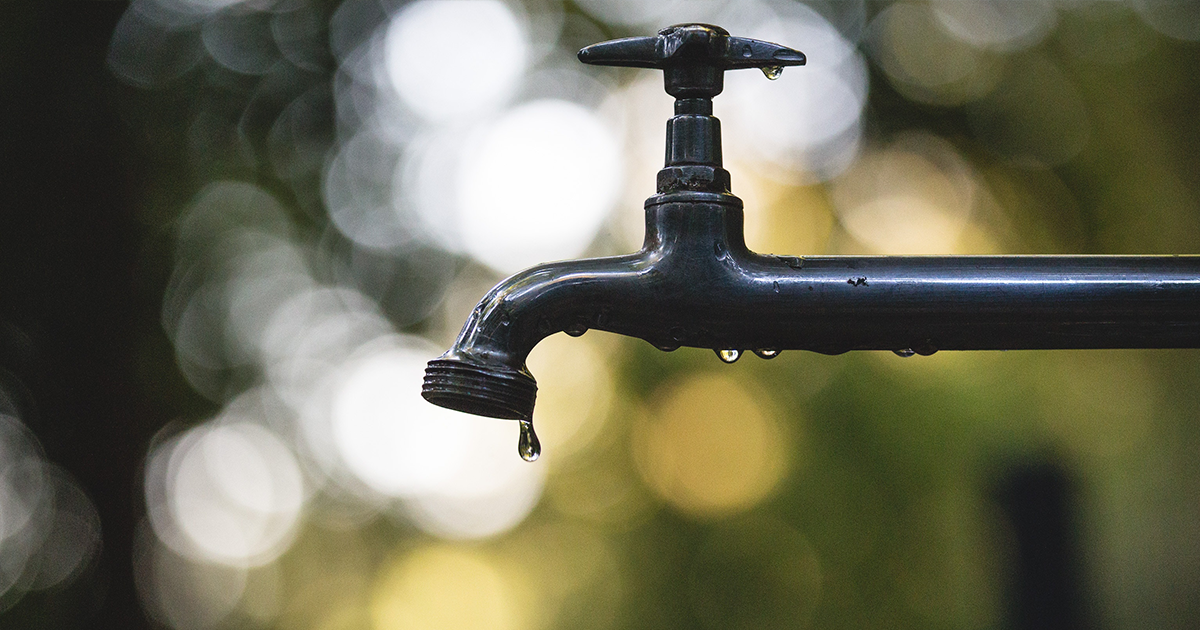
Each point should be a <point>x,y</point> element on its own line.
<point>456,475</point>
<point>997,24</point>
<point>228,494</point>
<point>449,58</point>
<point>388,437</point>
<point>537,185</point>
<point>49,529</point>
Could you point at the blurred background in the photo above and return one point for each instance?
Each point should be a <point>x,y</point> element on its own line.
<point>233,231</point>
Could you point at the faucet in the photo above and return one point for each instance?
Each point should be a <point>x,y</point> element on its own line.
<point>694,283</point>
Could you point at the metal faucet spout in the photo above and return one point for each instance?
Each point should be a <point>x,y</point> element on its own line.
<point>484,372</point>
<point>649,294</point>
<point>695,283</point>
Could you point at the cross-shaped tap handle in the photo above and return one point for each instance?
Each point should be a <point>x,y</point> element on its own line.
<point>693,57</point>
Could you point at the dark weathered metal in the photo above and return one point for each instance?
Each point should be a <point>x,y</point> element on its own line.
<point>694,283</point>
<point>693,58</point>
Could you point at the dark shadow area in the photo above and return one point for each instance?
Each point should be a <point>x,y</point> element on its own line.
<point>1045,589</point>
<point>70,307</point>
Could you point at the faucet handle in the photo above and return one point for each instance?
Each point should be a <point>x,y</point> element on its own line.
<point>693,57</point>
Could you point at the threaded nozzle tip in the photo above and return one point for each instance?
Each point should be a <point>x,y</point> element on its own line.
<point>479,390</point>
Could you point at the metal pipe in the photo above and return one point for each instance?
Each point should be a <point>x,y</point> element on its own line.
<point>694,283</point>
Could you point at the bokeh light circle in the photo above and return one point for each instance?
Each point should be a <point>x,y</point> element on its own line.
<point>926,63</point>
<point>389,437</point>
<point>49,529</point>
<point>656,14</point>
<point>228,494</point>
<point>537,185</point>
<point>447,58</point>
<point>457,476</point>
<point>443,588</point>
<point>711,446</point>
<point>997,24</point>
<point>913,197</point>
<point>1179,19</point>
<point>575,392</point>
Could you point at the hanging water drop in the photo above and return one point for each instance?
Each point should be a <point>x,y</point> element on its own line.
<point>905,352</point>
<point>729,355</point>
<point>529,447</point>
<point>576,329</point>
<point>772,72</point>
<point>767,353</point>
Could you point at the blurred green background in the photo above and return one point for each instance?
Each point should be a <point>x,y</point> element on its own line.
<point>233,231</point>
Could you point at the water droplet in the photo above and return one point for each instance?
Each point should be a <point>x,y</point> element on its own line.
<point>529,447</point>
<point>772,72</point>
<point>730,355</point>
<point>667,347</point>
<point>775,285</point>
<point>905,352</point>
<point>576,329</point>
<point>767,353</point>
<point>747,51</point>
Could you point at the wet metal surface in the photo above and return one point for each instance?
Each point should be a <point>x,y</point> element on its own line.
<point>694,283</point>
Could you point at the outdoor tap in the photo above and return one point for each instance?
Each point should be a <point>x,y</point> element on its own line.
<point>694,282</point>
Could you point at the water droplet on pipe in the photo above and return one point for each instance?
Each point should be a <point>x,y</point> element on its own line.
<point>729,355</point>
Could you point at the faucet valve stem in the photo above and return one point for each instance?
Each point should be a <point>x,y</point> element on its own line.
<point>693,58</point>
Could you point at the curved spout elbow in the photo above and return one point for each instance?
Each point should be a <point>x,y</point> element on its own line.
<point>657,294</point>
<point>484,372</point>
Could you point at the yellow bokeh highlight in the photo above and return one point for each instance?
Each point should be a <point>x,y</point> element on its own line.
<point>334,587</point>
<point>342,619</point>
<point>711,446</point>
<point>444,588</point>
<point>913,197</point>
<point>783,218</point>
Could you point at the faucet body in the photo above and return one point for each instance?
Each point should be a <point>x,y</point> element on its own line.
<point>695,283</point>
